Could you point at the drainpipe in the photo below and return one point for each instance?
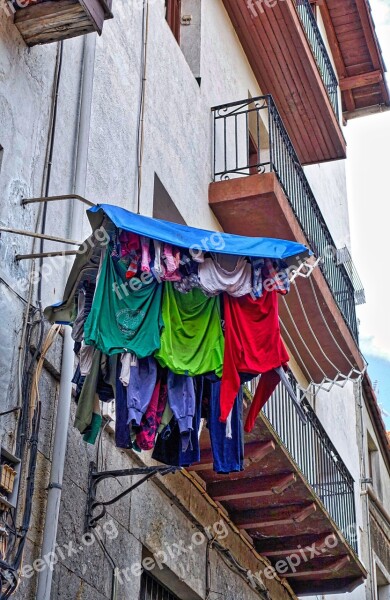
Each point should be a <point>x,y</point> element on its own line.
<point>45,577</point>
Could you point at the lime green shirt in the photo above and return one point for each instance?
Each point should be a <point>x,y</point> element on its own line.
<point>192,341</point>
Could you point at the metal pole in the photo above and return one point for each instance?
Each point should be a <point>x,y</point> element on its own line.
<point>41,236</point>
<point>56,198</point>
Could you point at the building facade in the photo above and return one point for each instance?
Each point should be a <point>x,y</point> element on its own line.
<point>225,115</point>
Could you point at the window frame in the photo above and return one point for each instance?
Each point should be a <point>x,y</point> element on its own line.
<point>173,17</point>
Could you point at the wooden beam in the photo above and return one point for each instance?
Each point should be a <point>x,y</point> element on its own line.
<point>329,570</point>
<point>240,489</point>
<point>358,81</point>
<point>254,453</point>
<point>322,545</point>
<point>286,515</point>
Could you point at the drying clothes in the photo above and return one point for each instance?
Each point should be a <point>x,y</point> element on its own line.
<point>158,269</point>
<point>253,343</point>
<point>168,449</point>
<point>106,382</point>
<point>189,275</point>
<point>172,263</point>
<point>257,277</point>
<point>234,279</point>
<point>181,398</point>
<point>87,397</point>
<point>124,318</point>
<point>143,379</point>
<point>151,420</point>
<point>192,339</point>
<point>228,453</point>
<point>129,242</point>
<point>92,431</point>
<point>85,356</point>
<point>122,429</point>
<point>275,277</point>
<point>145,257</point>
<point>127,360</point>
<point>84,304</point>
<point>266,387</point>
<point>166,418</point>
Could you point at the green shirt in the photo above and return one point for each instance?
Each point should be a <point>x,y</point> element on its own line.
<point>192,341</point>
<point>125,315</point>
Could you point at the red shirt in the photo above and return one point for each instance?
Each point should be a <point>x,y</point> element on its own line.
<point>252,342</point>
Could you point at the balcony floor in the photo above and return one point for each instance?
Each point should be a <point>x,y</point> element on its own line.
<point>272,501</point>
<point>257,206</point>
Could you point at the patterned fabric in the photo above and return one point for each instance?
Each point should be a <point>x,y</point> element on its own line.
<point>152,418</point>
<point>276,277</point>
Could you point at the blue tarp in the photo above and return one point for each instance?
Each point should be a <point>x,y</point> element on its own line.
<point>197,239</point>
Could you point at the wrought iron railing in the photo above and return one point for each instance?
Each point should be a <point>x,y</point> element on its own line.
<point>312,450</point>
<point>249,138</point>
<point>320,52</point>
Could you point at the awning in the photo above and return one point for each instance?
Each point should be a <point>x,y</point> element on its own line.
<point>198,239</point>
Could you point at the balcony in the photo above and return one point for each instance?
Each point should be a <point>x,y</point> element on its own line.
<point>295,493</point>
<point>290,61</point>
<point>46,21</point>
<point>260,189</point>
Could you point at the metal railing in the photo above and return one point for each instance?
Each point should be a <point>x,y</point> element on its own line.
<point>320,52</point>
<point>250,138</point>
<point>312,450</point>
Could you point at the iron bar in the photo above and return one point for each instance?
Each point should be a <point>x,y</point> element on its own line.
<point>19,257</point>
<point>55,198</point>
<point>41,236</point>
<point>317,458</point>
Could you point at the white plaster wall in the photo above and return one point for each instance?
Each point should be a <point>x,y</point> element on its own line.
<point>329,185</point>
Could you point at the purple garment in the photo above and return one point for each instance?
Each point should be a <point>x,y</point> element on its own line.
<point>143,379</point>
<point>181,398</point>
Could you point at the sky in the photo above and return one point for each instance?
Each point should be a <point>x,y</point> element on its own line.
<point>368,168</point>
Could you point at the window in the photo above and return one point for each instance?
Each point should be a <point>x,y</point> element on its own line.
<point>151,589</point>
<point>1,156</point>
<point>173,17</point>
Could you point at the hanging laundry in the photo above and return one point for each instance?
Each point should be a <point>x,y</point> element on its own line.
<point>252,342</point>
<point>192,339</point>
<point>85,356</point>
<point>228,452</point>
<point>234,276</point>
<point>128,360</point>
<point>172,262</point>
<point>151,420</point>
<point>84,303</point>
<point>169,449</point>
<point>143,379</point>
<point>181,398</point>
<point>275,277</point>
<point>145,256</point>
<point>122,429</point>
<point>128,242</point>
<point>189,275</point>
<point>85,406</point>
<point>124,317</point>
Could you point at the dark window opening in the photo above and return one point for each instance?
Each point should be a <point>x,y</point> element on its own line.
<point>151,589</point>
<point>1,156</point>
<point>173,17</point>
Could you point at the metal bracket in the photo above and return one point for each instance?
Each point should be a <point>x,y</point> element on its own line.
<point>55,198</point>
<point>95,477</point>
<point>40,236</point>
